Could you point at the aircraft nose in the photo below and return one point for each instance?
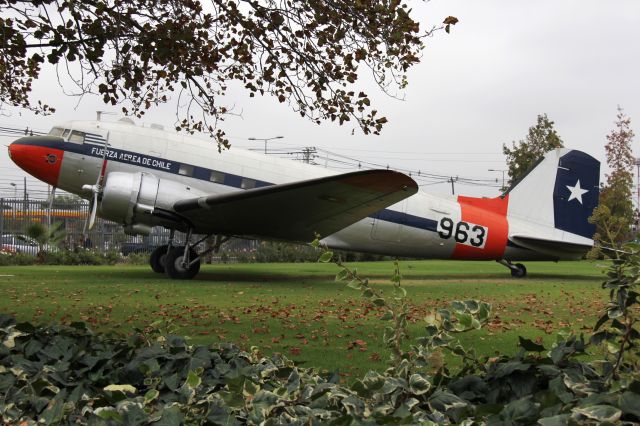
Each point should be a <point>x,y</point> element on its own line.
<point>40,156</point>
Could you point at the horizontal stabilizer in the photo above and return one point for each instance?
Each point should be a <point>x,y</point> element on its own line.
<point>557,248</point>
<point>297,211</point>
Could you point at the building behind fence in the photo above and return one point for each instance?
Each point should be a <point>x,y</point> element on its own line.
<point>19,213</point>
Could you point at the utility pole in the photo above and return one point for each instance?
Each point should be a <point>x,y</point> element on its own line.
<point>308,154</point>
<point>265,141</point>
<point>638,184</point>
<point>2,217</point>
<point>453,180</point>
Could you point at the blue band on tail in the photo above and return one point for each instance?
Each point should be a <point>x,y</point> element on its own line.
<point>576,193</point>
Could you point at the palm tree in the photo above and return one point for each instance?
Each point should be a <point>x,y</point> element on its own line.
<point>45,236</point>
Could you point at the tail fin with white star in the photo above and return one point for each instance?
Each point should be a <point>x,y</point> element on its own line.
<point>560,191</point>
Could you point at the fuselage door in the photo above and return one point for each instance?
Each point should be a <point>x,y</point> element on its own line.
<point>388,223</point>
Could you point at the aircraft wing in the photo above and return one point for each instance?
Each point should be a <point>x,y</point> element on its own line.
<point>297,211</point>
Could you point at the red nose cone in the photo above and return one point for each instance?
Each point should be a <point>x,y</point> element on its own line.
<point>39,161</point>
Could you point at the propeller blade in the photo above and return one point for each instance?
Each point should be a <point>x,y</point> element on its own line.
<point>53,196</point>
<point>94,210</point>
<point>86,220</point>
<point>97,190</point>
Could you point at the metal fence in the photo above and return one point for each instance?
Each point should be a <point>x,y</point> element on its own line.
<point>18,213</point>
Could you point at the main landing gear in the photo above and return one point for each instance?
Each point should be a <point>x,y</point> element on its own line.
<point>518,270</point>
<point>181,262</point>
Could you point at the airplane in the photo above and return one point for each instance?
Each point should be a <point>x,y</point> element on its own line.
<point>141,177</point>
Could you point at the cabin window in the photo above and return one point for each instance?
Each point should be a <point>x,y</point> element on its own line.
<point>247,183</point>
<point>186,170</point>
<point>56,131</point>
<point>216,177</point>
<point>76,137</point>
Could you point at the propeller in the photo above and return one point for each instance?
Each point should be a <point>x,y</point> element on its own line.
<point>97,191</point>
<point>53,196</point>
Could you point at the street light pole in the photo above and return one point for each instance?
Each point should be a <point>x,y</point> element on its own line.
<point>265,141</point>
<point>638,183</point>
<point>499,170</point>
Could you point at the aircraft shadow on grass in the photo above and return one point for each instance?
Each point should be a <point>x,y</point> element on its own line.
<point>206,276</point>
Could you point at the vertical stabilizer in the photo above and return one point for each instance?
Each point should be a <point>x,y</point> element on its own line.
<point>561,191</point>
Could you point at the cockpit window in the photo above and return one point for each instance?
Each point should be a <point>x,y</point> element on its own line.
<point>65,133</point>
<point>76,137</point>
<point>56,131</point>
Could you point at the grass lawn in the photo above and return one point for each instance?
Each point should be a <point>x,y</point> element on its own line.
<point>299,309</point>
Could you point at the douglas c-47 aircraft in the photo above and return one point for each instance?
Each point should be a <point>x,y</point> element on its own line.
<point>143,177</point>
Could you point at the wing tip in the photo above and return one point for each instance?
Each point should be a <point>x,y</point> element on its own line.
<point>384,181</point>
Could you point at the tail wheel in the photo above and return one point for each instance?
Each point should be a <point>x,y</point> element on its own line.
<point>518,271</point>
<point>174,268</point>
<point>156,260</point>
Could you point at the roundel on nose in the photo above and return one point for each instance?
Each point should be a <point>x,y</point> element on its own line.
<point>40,156</point>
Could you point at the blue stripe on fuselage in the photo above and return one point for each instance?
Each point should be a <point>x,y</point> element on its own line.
<point>407,220</point>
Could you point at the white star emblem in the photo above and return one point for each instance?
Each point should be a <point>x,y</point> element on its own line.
<point>576,192</point>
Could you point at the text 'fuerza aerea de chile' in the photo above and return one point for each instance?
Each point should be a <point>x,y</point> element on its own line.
<point>131,158</point>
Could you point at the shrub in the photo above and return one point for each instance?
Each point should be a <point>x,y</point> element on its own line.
<point>136,259</point>
<point>7,259</point>
<point>62,257</point>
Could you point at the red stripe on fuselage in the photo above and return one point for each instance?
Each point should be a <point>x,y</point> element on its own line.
<point>488,212</point>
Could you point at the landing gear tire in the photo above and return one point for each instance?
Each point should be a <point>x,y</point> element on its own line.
<point>518,271</point>
<point>156,260</point>
<point>173,264</point>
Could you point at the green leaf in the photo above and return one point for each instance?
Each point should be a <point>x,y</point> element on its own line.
<point>530,345</point>
<point>442,401</point>
<point>506,368</point>
<point>108,413</point>
<point>355,284</point>
<point>630,403</point>
<point>171,416</point>
<point>521,411</point>
<point>263,402</point>
<point>559,389</point>
<point>559,420</point>
<point>193,380</point>
<point>458,306</point>
<point>120,388</point>
<point>615,313</point>
<point>342,275</point>
<point>600,413</point>
<point>326,257</point>
<point>418,384</point>
<point>388,315</point>
<point>483,312</point>
<point>465,322</point>
<point>151,395</point>
<point>472,306</point>
<point>55,410</point>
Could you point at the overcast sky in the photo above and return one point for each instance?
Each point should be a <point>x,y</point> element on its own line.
<point>476,88</point>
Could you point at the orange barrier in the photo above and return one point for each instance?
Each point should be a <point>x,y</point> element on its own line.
<point>43,214</point>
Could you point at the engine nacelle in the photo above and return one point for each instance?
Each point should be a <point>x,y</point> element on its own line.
<point>131,199</point>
